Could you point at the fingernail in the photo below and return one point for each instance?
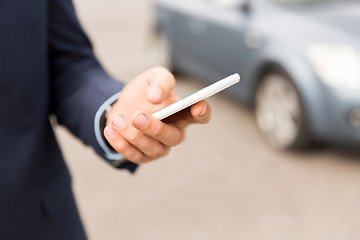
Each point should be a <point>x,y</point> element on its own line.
<point>110,132</point>
<point>118,121</point>
<point>141,121</point>
<point>155,94</point>
<point>203,111</point>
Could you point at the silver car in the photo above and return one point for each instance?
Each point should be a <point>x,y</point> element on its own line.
<point>299,61</point>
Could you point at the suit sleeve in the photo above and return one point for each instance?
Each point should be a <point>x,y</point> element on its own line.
<point>79,85</point>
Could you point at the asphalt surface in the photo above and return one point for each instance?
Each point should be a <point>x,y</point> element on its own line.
<point>223,182</point>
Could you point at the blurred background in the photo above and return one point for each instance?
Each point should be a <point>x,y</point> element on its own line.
<point>242,176</point>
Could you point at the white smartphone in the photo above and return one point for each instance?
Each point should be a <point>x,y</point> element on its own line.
<point>197,96</point>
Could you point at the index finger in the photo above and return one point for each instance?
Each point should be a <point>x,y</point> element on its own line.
<point>198,113</point>
<point>167,134</point>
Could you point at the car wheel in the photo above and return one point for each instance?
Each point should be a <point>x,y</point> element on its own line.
<point>279,113</point>
<point>161,51</point>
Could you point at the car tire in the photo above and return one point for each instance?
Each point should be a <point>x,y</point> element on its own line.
<point>280,114</point>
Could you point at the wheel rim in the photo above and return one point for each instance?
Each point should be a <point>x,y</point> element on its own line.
<point>278,111</point>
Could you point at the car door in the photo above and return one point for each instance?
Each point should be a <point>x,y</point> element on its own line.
<point>216,32</point>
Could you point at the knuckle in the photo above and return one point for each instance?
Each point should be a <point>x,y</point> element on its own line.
<point>158,152</point>
<point>158,131</point>
<point>134,138</point>
<point>137,158</point>
<point>121,146</point>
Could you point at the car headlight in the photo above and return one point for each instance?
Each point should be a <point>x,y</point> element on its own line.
<point>337,65</point>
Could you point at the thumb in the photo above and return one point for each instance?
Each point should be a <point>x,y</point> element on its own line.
<point>162,83</point>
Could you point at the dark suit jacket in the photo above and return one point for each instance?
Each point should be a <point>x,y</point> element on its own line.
<point>47,66</point>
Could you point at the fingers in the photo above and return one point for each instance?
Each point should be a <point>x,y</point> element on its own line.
<point>197,113</point>
<point>161,82</point>
<point>146,138</point>
<point>167,134</point>
<point>122,146</point>
<point>132,143</point>
<point>201,112</point>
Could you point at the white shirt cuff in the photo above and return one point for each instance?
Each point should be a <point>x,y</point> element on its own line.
<point>99,124</point>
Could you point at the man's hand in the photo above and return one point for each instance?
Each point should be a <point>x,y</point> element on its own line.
<point>134,133</point>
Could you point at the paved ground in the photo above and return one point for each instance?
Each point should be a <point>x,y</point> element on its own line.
<point>222,183</point>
